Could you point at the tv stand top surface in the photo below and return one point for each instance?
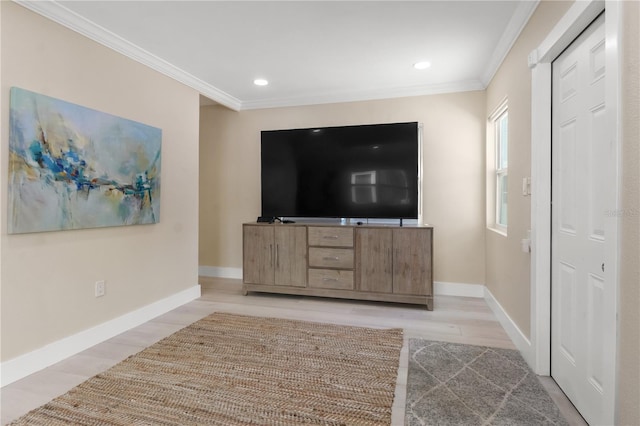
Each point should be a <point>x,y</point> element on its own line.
<point>338,224</point>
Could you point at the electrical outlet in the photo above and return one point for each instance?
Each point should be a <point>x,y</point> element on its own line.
<point>100,288</point>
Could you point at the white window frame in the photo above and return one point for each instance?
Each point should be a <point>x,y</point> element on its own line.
<point>501,172</point>
<point>497,168</point>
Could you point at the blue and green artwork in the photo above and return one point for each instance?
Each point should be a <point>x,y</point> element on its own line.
<point>72,167</point>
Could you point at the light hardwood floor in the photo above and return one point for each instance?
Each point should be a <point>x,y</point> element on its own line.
<point>454,319</point>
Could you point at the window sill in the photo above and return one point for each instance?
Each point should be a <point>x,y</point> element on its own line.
<point>499,231</point>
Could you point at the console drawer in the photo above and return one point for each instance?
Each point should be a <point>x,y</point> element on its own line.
<point>330,236</point>
<point>331,278</point>
<point>320,257</point>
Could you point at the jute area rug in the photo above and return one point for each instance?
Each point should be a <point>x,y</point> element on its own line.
<point>239,370</point>
<point>456,384</point>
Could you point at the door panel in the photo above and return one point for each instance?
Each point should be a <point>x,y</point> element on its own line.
<point>290,256</point>
<point>596,345</point>
<point>374,260</point>
<point>411,261</point>
<point>258,254</point>
<point>598,181</point>
<point>579,157</point>
<point>566,179</point>
<point>567,315</point>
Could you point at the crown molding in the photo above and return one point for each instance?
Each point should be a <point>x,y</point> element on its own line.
<point>58,13</point>
<point>54,11</point>
<point>365,95</point>
<point>511,33</point>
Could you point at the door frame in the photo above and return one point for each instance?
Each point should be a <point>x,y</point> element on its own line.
<point>577,18</point>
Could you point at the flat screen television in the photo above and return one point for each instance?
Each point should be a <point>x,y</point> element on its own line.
<point>364,171</point>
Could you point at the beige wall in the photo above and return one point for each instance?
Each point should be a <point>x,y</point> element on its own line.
<point>507,266</point>
<point>47,279</point>
<point>629,333</point>
<point>453,187</point>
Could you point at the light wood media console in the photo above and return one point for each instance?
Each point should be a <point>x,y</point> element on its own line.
<point>367,262</point>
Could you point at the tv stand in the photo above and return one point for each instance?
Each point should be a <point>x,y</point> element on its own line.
<point>366,262</point>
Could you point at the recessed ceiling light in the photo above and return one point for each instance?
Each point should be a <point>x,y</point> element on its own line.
<point>260,82</point>
<point>423,65</point>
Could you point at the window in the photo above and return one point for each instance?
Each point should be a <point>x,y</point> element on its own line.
<point>501,137</point>
<point>497,168</point>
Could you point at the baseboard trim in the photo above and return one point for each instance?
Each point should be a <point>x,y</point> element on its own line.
<point>29,363</point>
<point>458,289</point>
<point>513,331</point>
<point>220,272</point>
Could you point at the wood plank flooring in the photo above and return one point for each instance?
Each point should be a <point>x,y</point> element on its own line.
<point>454,319</point>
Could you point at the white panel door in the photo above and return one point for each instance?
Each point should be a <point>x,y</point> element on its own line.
<point>579,160</point>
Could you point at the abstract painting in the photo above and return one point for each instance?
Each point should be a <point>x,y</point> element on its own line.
<point>72,167</point>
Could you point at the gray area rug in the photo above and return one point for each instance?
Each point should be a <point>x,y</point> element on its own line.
<point>456,384</point>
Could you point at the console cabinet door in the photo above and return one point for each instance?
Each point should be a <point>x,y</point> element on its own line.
<point>373,260</point>
<point>290,256</point>
<point>412,261</point>
<point>258,254</point>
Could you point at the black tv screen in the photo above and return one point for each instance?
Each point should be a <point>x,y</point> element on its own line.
<point>366,171</point>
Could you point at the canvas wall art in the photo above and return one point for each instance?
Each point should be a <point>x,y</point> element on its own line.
<point>72,167</point>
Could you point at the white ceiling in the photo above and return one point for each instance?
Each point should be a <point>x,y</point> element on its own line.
<point>310,51</point>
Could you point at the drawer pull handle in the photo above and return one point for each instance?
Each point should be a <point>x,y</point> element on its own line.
<point>335,258</point>
<point>330,237</point>
<point>330,279</point>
